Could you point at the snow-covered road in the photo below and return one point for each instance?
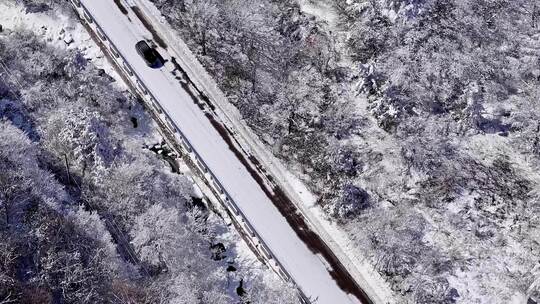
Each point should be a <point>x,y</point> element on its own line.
<point>308,269</point>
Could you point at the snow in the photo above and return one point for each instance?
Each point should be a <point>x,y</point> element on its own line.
<point>307,270</point>
<point>58,29</point>
<point>321,9</point>
<point>361,264</point>
<point>307,198</point>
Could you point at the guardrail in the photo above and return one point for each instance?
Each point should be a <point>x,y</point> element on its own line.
<point>186,148</point>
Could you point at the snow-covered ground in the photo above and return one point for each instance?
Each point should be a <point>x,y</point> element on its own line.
<point>323,10</point>
<point>58,29</point>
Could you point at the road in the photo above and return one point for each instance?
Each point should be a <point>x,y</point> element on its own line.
<point>310,269</point>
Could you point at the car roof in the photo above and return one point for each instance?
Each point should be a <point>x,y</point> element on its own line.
<point>142,45</point>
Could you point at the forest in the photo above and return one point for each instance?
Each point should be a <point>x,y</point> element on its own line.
<point>88,212</point>
<point>415,123</point>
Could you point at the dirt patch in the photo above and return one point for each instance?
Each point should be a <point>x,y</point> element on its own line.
<point>185,86</point>
<point>121,7</point>
<point>157,38</point>
<point>166,154</point>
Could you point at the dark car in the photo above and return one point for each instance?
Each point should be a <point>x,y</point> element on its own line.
<point>152,58</point>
